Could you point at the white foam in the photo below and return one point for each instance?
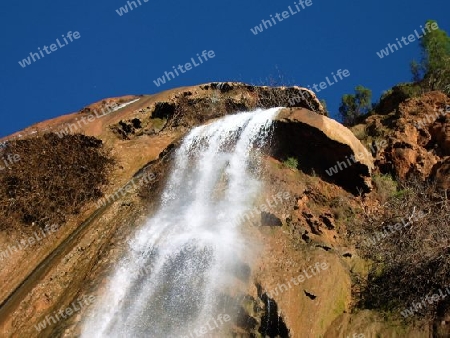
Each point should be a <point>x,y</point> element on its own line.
<point>189,246</point>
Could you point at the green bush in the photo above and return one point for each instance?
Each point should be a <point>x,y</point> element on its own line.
<point>386,187</point>
<point>355,105</point>
<point>291,162</point>
<point>433,70</point>
<point>410,90</point>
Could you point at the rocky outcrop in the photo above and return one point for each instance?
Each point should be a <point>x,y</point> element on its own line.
<point>138,130</point>
<point>441,172</point>
<point>192,106</point>
<point>414,135</point>
<point>324,147</point>
<point>303,287</point>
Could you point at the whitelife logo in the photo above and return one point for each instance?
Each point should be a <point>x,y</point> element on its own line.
<point>314,270</point>
<point>341,74</point>
<point>28,242</point>
<point>53,48</point>
<point>422,304</point>
<point>374,147</point>
<point>266,207</point>
<point>57,316</point>
<point>280,17</point>
<point>411,38</point>
<point>124,9</point>
<point>188,66</point>
<point>430,118</point>
<point>74,127</point>
<point>9,160</point>
<point>143,179</point>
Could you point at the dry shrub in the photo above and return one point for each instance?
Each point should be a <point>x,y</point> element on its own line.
<point>54,178</point>
<point>386,187</point>
<point>410,263</point>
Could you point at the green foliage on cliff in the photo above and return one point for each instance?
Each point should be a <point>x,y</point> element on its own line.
<point>355,105</point>
<point>291,162</point>
<point>433,70</point>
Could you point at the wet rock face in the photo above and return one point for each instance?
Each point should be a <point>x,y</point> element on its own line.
<point>272,324</point>
<point>268,219</point>
<point>322,147</point>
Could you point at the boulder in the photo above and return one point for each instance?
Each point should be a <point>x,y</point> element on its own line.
<point>417,137</point>
<point>323,147</point>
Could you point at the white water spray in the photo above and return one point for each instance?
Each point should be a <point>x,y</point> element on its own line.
<point>183,258</point>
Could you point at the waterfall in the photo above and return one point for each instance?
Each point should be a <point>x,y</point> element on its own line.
<point>179,262</point>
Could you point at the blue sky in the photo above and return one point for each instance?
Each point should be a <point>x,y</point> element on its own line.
<point>119,55</point>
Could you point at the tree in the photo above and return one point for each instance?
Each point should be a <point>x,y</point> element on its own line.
<point>354,105</point>
<point>434,68</point>
<point>417,71</point>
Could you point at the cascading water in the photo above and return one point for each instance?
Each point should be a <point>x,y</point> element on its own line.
<point>184,257</point>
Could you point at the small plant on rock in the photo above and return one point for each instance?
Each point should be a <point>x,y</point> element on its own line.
<point>291,162</point>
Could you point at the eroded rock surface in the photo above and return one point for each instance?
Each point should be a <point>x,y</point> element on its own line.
<point>415,134</point>
<point>306,229</point>
<point>320,143</point>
